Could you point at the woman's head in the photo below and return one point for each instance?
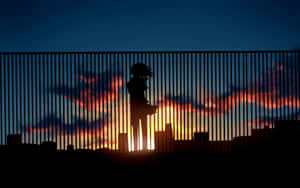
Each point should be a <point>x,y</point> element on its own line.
<point>140,70</point>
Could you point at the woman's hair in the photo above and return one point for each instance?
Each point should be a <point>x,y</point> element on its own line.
<point>140,69</point>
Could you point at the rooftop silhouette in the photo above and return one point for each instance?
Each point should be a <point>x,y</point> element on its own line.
<point>281,138</point>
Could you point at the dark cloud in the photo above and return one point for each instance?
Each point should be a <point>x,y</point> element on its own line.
<point>187,104</point>
<point>94,130</point>
<point>278,87</point>
<point>54,124</point>
<point>92,90</point>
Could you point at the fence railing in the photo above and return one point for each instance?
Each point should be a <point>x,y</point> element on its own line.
<point>81,99</point>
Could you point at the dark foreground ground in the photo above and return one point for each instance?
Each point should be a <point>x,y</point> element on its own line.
<point>141,169</point>
<point>150,159</point>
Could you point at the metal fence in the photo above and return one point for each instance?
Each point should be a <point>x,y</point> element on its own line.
<point>81,99</point>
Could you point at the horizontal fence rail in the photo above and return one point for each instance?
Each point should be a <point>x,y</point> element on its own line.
<point>81,99</point>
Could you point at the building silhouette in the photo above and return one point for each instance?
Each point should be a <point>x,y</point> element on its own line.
<point>164,140</point>
<point>13,140</point>
<point>48,146</point>
<point>123,142</point>
<point>70,148</point>
<point>286,136</point>
<point>282,138</point>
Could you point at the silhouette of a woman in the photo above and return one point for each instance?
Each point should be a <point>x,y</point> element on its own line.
<point>139,107</point>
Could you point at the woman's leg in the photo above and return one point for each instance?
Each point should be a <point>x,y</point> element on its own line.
<point>135,126</point>
<point>144,132</point>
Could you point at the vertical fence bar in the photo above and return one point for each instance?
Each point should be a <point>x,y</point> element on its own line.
<point>242,98</point>
<point>268,95</point>
<point>55,104</point>
<point>205,78</point>
<point>161,115</point>
<point>265,90</point>
<point>246,97</point>
<point>66,109</point>
<point>293,86</point>
<point>128,75</point>
<point>259,90</point>
<point>104,123</point>
<point>219,102</point>
<point>1,99</point>
<point>227,99</point>
<point>296,85</point>
<point>62,105</point>
<point>71,110</point>
<point>283,80</point>
<point>286,81</point>
<point>174,84</point>
<point>94,99</point>
<point>28,99</point>
<point>211,97</point>
<point>124,77</point>
<point>298,82</point>
<point>23,98</point>
<point>157,126</point>
<point>287,110</point>
<point>85,117</point>
<point>108,62</point>
<point>13,94</point>
<point>151,94</point>
<point>231,99</point>
<point>196,85</point>
<point>5,73</point>
<point>115,102</point>
<point>107,102</point>
<point>245,114</point>
<point>255,88</point>
<point>125,103</point>
<point>272,89</point>
<point>163,90</point>
<point>52,97</point>
<point>194,95</point>
<point>9,95</point>
<point>167,93</point>
<point>219,89</point>
<point>81,102</point>
<point>214,94</point>
<point>288,105</point>
<point>226,102</point>
<point>2,89</point>
<point>36,122</point>
<point>47,128</point>
<point>281,86</point>
<point>100,98</point>
<point>5,91</point>
<point>118,126</point>
<point>278,85</point>
<point>177,93</point>
<point>187,89</point>
<point>250,91</point>
<point>234,80</point>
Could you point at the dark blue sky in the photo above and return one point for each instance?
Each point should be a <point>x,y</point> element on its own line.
<point>155,24</point>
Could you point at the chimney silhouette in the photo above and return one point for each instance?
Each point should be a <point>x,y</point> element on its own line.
<point>123,142</point>
<point>164,140</point>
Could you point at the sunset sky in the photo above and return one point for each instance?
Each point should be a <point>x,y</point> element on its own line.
<point>155,24</point>
<point>85,97</point>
